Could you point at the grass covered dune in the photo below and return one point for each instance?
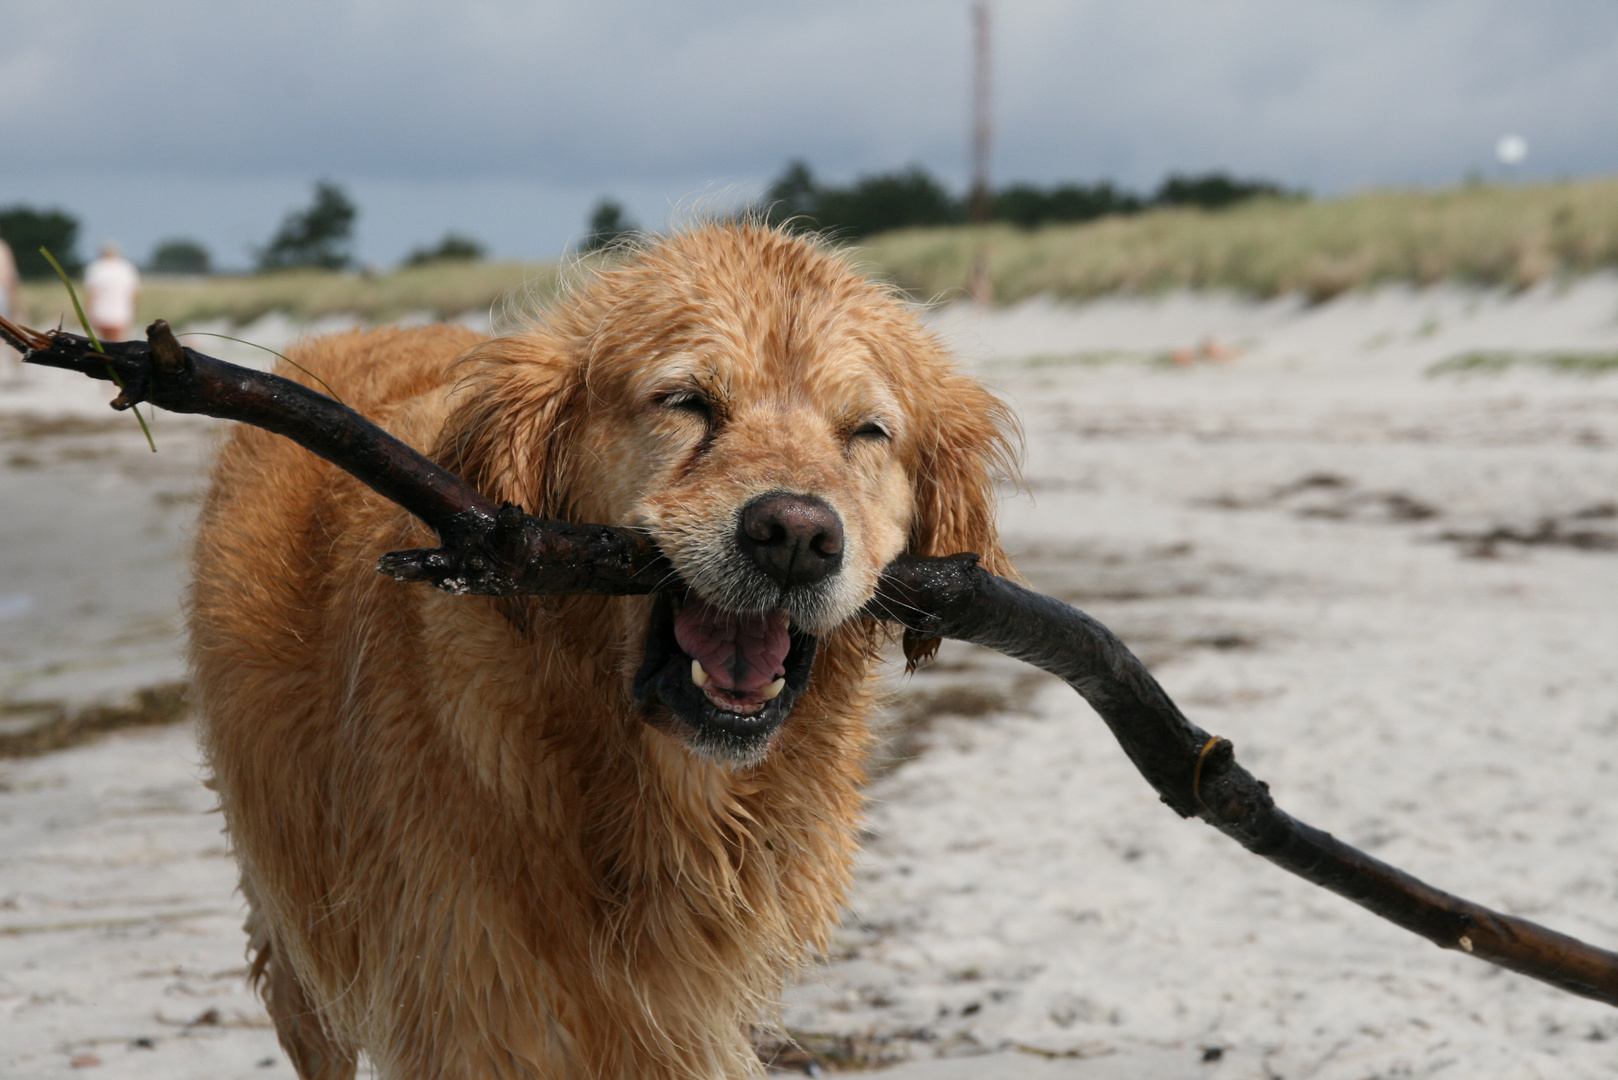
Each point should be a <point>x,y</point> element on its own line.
<point>1505,236</point>
<point>1509,236</point>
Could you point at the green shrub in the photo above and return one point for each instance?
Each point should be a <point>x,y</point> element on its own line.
<point>608,225</point>
<point>870,205</point>
<point>179,256</point>
<point>1216,191</point>
<point>27,230</point>
<point>1028,206</point>
<point>452,248</point>
<point>318,237</point>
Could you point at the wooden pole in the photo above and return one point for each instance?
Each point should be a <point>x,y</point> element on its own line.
<point>980,202</point>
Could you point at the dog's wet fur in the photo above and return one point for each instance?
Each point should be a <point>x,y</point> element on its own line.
<point>515,838</point>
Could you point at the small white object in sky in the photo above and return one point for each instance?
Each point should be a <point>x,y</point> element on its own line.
<point>1511,149</point>
<point>14,604</point>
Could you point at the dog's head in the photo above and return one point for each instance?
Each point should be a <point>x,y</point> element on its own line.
<point>781,426</point>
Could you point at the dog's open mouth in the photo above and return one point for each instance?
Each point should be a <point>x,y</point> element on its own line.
<point>731,678</point>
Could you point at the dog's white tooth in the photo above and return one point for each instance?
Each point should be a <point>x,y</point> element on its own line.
<point>774,689</point>
<point>698,675</point>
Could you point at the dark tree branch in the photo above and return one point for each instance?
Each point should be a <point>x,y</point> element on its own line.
<point>169,375</point>
<point>529,556</point>
<point>501,551</point>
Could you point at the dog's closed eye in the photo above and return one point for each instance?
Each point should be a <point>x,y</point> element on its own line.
<point>689,401</point>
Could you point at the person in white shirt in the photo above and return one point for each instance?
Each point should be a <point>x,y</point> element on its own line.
<point>8,306</point>
<point>111,284</point>
<point>8,281</point>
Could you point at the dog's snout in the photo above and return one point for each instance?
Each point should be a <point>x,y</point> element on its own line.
<point>793,539</point>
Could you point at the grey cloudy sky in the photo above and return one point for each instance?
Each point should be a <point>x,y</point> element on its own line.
<point>507,119</point>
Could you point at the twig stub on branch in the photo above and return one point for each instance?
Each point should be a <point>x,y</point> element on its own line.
<point>518,555</point>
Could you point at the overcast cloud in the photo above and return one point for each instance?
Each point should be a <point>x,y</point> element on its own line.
<point>507,119</point>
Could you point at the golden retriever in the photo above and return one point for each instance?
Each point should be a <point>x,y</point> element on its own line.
<point>586,837</point>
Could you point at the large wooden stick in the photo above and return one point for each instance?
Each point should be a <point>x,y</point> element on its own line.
<point>501,551</point>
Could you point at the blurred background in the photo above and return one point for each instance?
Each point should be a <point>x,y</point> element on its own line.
<point>188,131</point>
<point>1309,312</point>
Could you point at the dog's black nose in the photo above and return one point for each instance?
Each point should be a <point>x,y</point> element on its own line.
<point>794,539</point>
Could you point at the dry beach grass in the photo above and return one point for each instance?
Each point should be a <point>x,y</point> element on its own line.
<point>439,290</point>
<point>1512,236</point>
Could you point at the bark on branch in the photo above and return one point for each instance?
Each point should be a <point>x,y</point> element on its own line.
<point>501,551</point>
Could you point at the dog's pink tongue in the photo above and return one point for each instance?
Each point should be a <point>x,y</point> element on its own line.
<point>741,652</point>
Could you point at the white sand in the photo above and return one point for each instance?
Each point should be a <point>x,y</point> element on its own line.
<point>1024,892</point>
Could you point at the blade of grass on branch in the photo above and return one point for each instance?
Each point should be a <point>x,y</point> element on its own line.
<point>272,352</point>
<point>78,309</point>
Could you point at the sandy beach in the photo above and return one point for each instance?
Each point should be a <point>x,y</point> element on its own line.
<point>1384,567</point>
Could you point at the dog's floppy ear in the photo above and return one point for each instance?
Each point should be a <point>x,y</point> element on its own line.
<point>964,442</point>
<point>509,422</point>
<point>506,434</point>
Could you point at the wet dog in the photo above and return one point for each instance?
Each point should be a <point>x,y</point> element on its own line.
<point>584,837</point>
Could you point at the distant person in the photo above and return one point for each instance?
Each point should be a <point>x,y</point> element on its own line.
<point>10,305</point>
<point>111,284</point>
<point>9,298</point>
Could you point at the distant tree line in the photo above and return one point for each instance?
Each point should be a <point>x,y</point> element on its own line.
<point>912,197</point>
<point>27,230</point>
<point>319,236</point>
